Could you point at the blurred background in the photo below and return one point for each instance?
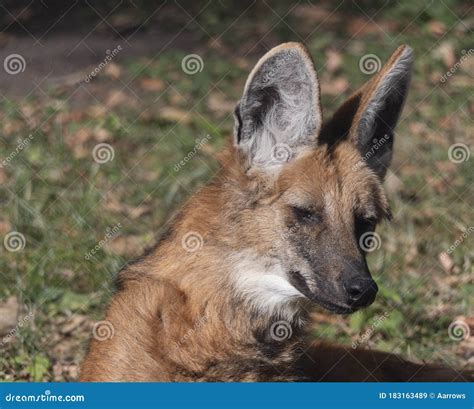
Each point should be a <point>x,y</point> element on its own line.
<point>112,114</point>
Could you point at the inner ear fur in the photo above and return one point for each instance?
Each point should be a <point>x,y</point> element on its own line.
<point>369,116</point>
<point>280,105</point>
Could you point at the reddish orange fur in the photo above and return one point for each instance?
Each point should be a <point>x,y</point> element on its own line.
<point>177,315</point>
<point>169,291</point>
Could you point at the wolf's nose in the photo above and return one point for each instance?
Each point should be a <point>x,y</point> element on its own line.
<point>361,291</point>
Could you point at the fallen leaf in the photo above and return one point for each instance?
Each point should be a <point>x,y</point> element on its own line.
<point>447,168</point>
<point>133,212</point>
<point>116,98</point>
<point>218,104</point>
<point>418,128</point>
<point>101,134</point>
<point>82,136</point>
<point>411,254</point>
<point>63,118</point>
<point>393,184</point>
<point>5,226</point>
<point>176,98</point>
<point>449,122</point>
<point>9,311</point>
<point>360,26</point>
<point>439,184</point>
<point>77,142</point>
<point>446,262</point>
<point>333,60</point>
<point>315,13</point>
<point>445,52</point>
<point>242,63</point>
<point>461,81</point>
<point>97,111</point>
<point>12,126</point>
<point>436,27</point>
<point>467,63</point>
<point>334,87</point>
<point>75,321</point>
<point>172,114</point>
<point>112,70</point>
<point>68,372</point>
<point>152,84</point>
<point>457,280</point>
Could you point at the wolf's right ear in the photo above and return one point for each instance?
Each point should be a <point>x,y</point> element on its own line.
<point>280,111</point>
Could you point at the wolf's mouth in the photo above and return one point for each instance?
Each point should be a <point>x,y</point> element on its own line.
<point>299,282</point>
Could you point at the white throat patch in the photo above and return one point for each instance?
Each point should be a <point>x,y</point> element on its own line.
<point>265,286</point>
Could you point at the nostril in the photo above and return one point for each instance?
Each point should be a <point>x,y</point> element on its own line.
<point>354,290</point>
<point>361,291</point>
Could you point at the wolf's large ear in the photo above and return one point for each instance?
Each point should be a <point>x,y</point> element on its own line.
<point>279,112</point>
<point>368,118</point>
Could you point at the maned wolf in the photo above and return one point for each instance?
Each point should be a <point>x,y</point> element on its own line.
<point>226,295</point>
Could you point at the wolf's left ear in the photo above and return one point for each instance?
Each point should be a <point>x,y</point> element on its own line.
<point>279,112</point>
<point>368,118</point>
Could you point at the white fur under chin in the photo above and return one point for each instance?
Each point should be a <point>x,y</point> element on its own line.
<point>265,286</point>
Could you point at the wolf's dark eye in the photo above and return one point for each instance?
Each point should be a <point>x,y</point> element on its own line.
<point>364,225</point>
<point>304,215</point>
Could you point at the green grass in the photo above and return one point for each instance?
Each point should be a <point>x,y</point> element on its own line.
<point>61,201</point>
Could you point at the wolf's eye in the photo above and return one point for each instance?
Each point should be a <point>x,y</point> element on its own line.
<point>364,225</point>
<point>305,215</point>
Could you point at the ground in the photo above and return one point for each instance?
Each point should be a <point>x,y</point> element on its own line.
<point>115,115</point>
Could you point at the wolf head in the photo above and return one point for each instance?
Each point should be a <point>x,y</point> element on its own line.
<point>316,188</point>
